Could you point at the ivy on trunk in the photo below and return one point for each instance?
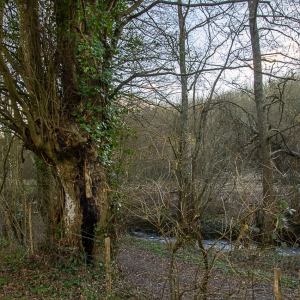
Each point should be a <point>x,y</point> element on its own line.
<point>57,96</point>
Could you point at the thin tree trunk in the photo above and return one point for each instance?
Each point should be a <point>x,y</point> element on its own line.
<point>23,194</point>
<point>44,182</point>
<point>204,283</point>
<point>184,170</point>
<point>268,201</point>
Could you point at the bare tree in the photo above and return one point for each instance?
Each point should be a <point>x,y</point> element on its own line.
<point>259,98</point>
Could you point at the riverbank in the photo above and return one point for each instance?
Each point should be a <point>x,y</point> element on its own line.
<point>217,244</point>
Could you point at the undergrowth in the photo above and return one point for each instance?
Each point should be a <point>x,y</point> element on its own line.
<point>53,273</point>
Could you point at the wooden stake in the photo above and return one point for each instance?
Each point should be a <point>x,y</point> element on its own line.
<point>299,285</point>
<point>30,228</point>
<point>8,227</point>
<point>107,263</point>
<point>24,216</point>
<point>277,284</point>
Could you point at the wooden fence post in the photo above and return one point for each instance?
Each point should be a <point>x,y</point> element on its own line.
<point>30,228</point>
<point>8,227</point>
<point>299,285</point>
<point>277,284</point>
<point>107,263</point>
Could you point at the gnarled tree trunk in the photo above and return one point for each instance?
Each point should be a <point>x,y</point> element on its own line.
<point>84,208</point>
<point>59,104</point>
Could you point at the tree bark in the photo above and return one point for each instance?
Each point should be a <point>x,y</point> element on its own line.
<point>184,155</point>
<point>45,195</point>
<point>60,75</point>
<point>268,200</point>
<point>84,211</point>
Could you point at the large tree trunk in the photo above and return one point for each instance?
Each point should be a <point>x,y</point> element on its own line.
<point>56,69</point>
<point>268,201</point>
<point>54,134</point>
<point>83,209</point>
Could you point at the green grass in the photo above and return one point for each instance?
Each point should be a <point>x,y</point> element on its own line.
<point>158,248</point>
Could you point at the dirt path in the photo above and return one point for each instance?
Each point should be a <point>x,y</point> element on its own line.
<point>148,273</point>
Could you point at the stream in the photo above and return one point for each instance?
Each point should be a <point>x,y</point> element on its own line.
<point>221,245</point>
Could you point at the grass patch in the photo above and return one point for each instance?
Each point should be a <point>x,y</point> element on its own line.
<point>158,248</point>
